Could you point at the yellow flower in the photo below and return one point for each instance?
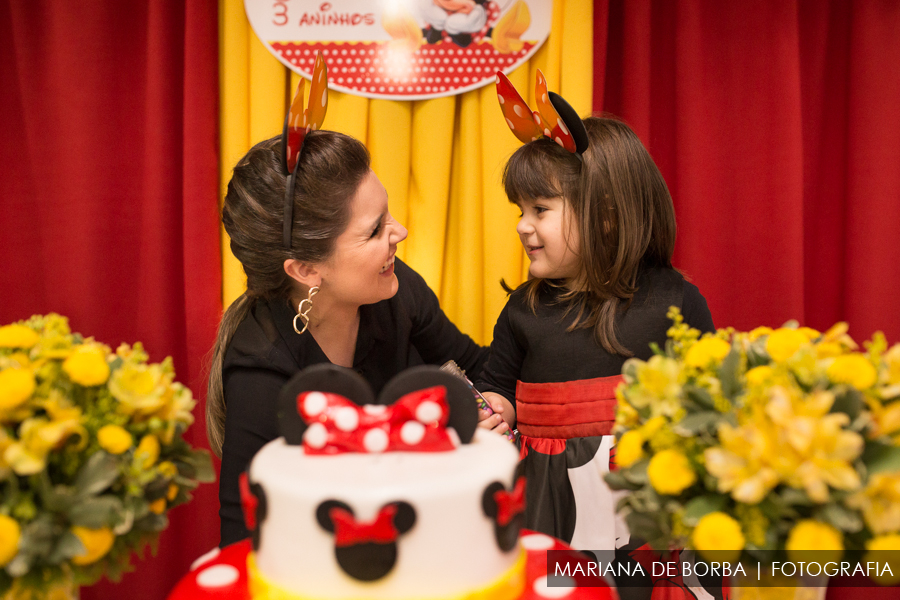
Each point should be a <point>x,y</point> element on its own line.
<point>853,369</point>
<point>784,342</point>
<point>757,333</point>
<point>9,539</point>
<point>87,366</point>
<point>810,333</point>
<point>38,436</point>
<point>670,472</point>
<point>718,537</point>
<point>167,469</point>
<point>139,388</point>
<point>656,385</point>
<point>879,502</point>
<point>741,464</point>
<point>828,350</point>
<point>172,492</point>
<point>809,538</point>
<point>158,507</point>
<point>114,439</point>
<point>883,549</point>
<point>147,451</point>
<point>18,336</point>
<point>706,351</point>
<point>629,450</point>
<point>97,543</point>
<point>16,386</point>
<point>757,376</point>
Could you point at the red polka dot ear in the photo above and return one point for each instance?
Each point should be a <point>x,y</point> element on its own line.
<point>518,116</point>
<point>558,131</point>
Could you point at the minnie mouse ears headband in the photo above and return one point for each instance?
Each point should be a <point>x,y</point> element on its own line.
<point>554,119</point>
<point>297,124</point>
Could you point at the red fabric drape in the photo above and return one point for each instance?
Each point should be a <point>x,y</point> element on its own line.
<point>108,199</point>
<point>775,125</point>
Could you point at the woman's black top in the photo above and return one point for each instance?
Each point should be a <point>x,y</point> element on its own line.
<point>535,347</point>
<point>404,331</point>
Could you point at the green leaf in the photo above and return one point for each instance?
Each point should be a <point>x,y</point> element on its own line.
<point>728,374</point>
<point>93,513</point>
<point>151,522</point>
<point>616,481</point>
<point>701,506</point>
<point>795,497</point>
<point>699,422</point>
<point>849,402</point>
<point>880,457</point>
<point>643,526</point>
<point>202,462</point>
<point>97,474</point>
<point>841,517</point>
<point>637,473</point>
<point>700,396</point>
<point>66,547</point>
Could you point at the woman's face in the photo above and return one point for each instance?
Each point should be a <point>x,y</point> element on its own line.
<point>549,238</point>
<point>361,269</point>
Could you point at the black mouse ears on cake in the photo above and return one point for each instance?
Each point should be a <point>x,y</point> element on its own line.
<point>297,124</point>
<point>331,410</point>
<point>555,118</point>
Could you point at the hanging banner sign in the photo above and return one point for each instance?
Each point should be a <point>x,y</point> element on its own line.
<point>403,49</point>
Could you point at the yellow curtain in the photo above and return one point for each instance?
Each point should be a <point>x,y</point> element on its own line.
<point>440,160</point>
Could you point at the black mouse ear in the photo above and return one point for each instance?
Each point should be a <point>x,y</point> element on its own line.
<point>323,513</point>
<point>572,121</point>
<point>460,398</point>
<point>326,378</point>
<point>405,517</point>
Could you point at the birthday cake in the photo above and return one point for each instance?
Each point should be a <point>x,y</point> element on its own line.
<point>398,497</point>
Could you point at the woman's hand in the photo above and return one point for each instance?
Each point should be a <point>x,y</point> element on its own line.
<point>504,416</point>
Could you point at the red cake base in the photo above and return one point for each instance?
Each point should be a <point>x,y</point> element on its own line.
<point>223,575</point>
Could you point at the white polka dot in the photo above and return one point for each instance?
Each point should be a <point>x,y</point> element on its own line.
<point>567,586</point>
<point>428,412</point>
<point>537,541</point>
<point>205,558</point>
<point>324,96</point>
<point>376,440</point>
<point>510,123</point>
<point>316,435</point>
<point>562,127</point>
<point>500,98</point>
<point>218,576</point>
<point>498,79</point>
<point>519,110</point>
<point>314,403</point>
<point>559,141</point>
<point>346,418</point>
<point>374,409</point>
<point>412,432</point>
<point>546,132</point>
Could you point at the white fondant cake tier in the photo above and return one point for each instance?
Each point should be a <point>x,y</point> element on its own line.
<point>452,547</point>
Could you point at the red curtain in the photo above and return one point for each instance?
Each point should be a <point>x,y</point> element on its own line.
<point>108,199</point>
<point>775,124</point>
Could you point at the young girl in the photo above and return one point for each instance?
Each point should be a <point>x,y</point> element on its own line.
<point>599,230</point>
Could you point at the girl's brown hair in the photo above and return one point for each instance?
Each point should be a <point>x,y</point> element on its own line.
<point>623,212</point>
<point>332,166</point>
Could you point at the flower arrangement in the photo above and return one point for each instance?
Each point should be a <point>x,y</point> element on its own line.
<point>741,444</point>
<point>91,455</point>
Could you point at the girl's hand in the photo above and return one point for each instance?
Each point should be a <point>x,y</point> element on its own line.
<point>504,414</point>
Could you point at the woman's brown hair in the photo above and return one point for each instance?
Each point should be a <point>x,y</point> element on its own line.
<point>623,212</point>
<point>332,166</point>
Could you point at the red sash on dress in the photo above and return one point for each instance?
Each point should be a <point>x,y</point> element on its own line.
<point>548,414</point>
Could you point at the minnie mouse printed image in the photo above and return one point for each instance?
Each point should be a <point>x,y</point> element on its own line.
<point>459,21</point>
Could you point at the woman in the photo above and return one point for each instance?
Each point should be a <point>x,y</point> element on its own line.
<point>336,294</point>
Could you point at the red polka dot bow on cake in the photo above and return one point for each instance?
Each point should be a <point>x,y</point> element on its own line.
<point>555,118</point>
<point>330,410</point>
<point>298,122</point>
<point>416,422</point>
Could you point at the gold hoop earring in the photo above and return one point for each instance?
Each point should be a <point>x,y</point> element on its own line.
<point>304,314</point>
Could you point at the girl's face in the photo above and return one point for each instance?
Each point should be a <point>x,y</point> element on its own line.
<point>549,238</point>
<point>361,269</point>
